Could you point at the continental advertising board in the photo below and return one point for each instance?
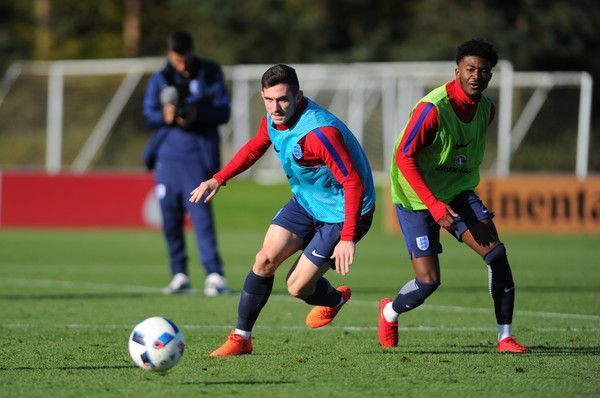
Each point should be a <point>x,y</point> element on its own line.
<point>536,203</point>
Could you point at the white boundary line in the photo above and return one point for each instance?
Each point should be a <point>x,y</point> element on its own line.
<point>25,282</point>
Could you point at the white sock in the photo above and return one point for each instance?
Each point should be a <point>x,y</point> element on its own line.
<point>504,331</point>
<point>243,333</point>
<point>389,314</point>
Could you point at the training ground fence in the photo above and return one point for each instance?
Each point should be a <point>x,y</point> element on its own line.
<point>86,115</point>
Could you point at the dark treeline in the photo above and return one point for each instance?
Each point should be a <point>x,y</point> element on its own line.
<point>533,34</point>
<point>559,35</point>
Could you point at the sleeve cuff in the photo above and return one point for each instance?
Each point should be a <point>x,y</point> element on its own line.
<point>347,237</point>
<point>438,210</point>
<point>220,179</point>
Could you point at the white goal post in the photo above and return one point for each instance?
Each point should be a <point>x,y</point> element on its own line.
<point>355,91</point>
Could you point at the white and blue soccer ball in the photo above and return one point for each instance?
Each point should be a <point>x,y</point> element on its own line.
<point>156,344</point>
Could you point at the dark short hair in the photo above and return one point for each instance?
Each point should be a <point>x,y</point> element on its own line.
<point>180,42</point>
<point>280,73</point>
<point>478,48</point>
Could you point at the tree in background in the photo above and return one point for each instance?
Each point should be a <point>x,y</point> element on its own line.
<point>131,28</point>
<point>533,34</point>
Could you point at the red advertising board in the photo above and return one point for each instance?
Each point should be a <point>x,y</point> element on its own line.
<point>35,199</point>
<point>523,203</point>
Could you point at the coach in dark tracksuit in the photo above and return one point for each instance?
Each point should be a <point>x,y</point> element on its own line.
<point>186,100</point>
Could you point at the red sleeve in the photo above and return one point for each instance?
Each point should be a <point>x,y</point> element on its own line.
<point>420,132</point>
<point>327,144</point>
<point>247,155</point>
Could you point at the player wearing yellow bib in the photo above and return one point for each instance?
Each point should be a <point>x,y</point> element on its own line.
<point>434,172</point>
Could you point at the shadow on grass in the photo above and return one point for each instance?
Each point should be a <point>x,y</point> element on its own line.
<point>541,349</point>
<point>228,382</point>
<point>486,350</point>
<point>112,367</point>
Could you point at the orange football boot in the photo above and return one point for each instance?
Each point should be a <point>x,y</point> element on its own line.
<point>234,345</point>
<point>321,315</point>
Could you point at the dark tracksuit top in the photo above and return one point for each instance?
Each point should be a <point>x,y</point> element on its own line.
<point>188,155</point>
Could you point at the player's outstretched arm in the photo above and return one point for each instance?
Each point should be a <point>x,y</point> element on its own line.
<point>206,189</point>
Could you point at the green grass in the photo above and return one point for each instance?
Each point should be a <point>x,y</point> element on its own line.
<point>69,299</point>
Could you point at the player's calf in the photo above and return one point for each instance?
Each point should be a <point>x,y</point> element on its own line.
<point>412,295</point>
<point>323,315</point>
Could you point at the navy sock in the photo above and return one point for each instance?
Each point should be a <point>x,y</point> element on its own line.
<point>412,295</point>
<point>324,294</point>
<point>501,284</point>
<point>255,294</point>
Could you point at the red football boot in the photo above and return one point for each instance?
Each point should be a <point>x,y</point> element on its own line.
<point>386,331</point>
<point>509,344</point>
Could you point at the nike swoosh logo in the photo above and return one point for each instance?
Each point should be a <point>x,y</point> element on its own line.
<point>509,289</point>
<point>458,146</point>
<point>276,150</point>
<point>314,253</point>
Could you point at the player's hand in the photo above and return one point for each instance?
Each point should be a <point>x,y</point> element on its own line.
<point>448,222</point>
<point>208,188</point>
<point>168,112</point>
<point>181,122</point>
<point>343,254</point>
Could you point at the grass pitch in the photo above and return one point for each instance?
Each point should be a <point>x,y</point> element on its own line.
<point>69,299</point>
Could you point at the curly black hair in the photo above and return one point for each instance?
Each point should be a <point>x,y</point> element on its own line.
<point>479,48</point>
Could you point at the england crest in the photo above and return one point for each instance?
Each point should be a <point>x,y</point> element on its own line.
<point>297,151</point>
<point>423,242</point>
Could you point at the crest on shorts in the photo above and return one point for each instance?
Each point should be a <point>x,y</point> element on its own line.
<point>423,242</point>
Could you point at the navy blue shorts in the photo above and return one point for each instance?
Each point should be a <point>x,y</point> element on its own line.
<point>422,233</point>
<point>319,237</point>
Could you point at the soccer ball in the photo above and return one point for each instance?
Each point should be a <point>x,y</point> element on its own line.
<point>156,344</point>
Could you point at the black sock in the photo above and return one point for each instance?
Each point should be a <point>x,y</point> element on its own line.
<point>255,294</point>
<point>412,295</point>
<point>501,284</point>
<point>324,294</point>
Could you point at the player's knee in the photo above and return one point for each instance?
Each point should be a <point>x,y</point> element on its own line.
<point>496,255</point>
<point>298,291</point>
<point>264,264</point>
<point>430,279</point>
<point>499,267</point>
<point>427,287</point>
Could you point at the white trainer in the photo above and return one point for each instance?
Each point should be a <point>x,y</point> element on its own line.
<point>215,285</point>
<point>179,284</point>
